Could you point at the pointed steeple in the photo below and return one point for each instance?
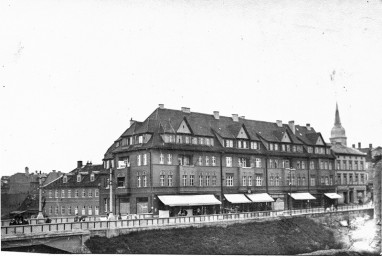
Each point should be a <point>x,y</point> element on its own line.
<point>337,120</point>
<point>338,134</point>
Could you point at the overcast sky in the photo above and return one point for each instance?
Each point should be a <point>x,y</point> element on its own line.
<point>73,73</point>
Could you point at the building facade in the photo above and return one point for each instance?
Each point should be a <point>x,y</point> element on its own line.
<point>179,152</point>
<point>76,192</point>
<point>351,175</point>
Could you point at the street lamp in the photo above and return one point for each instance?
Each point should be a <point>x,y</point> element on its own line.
<point>111,216</point>
<point>290,189</point>
<point>40,215</point>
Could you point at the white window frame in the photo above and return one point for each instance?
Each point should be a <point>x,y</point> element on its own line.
<point>139,160</point>
<point>192,177</point>
<point>144,159</point>
<point>96,192</point>
<point>207,160</point>
<point>161,179</point>
<point>258,181</point>
<point>161,158</point>
<point>200,180</point>
<point>65,179</point>
<point>213,161</point>
<point>62,193</point>
<point>78,177</point>
<point>228,160</point>
<point>169,180</point>
<point>92,178</point>
<point>184,180</point>
<point>207,180</point>
<point>169,159</point>
<point>244,180</point>
<point>249,180</point>
<point>229,179</point>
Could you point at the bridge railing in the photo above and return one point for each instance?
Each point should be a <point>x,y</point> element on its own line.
<point>136,223</point>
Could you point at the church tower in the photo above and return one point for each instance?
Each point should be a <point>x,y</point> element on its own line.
<point>338,134</point>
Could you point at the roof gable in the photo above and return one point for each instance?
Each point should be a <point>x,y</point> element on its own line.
<point>184,127</point>
<point>319,141</point>
<point>242,134</point>
<point>286,138</point>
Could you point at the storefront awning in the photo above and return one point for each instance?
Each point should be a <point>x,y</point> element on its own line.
<point>333,195</point>
<point>302,196</point>
<point>237,198</point>
<point>189,200</point>
<point>260,198</point>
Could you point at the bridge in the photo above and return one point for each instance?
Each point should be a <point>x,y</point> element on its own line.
<point>69,236</point>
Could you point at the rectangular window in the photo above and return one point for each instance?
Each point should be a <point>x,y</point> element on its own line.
<point>283,147</point>
<point>92,177</point>
<point>271,181</point>
<point>139,160</point>
<point>187,138</point>
<point>259,180</point>
<point>229,143</point>
<point>239,144</point>
<point>69,193</point>
<point>214,180</point>
<point>245,144</point>
<point>311,165</point>
<point>200,180</point>
<point>293,180</point>
<point>258,163</point>
<point>62,210</point>
<point>56,210</point>
<point>83,210</point>
<point>79,178</point>
<point>161,159</point>
<point>169,159</point>
<point>50,193</point>
<point>170,180</point>
<point>362,179</point>
<point>76,193</point>
<point>90,210</point>
<point>200,161</point>
<point>192,180</point>
<point>303,181</point>
<point>312,180</point>
<point>276,147</point>
<point>229,179</point>
<point>65,179</point>
<point>144,159</point>
<point>298,166</point>
<point>303,165</point>
<point>162,180</point>
<point>139,181</point>
<point>69,210</point>
<point>50,210</point>
<point>271,146</point>
<point>184,179</point>
<point>144,180</point>
<point>120,182</point>
<point>56,194</point>
<point>243,162</point>
<point>194,141</point>
<point>96,210</point>
<point>310,149</point>
<point>350,178</point>
<point>96,192</point>
<point>277,181</point>
<point>213,161</point>
<point>228,161</point>
<point>207,180</point>
<point>244,180</point>
<point>249,180</point>
<point>331,180</point>
<point>105,204</point>
<point>253,145</point>
<point>288,148</point>
<point>201,141</point>
<point>90,193</point>
<point>326,180</point>
<point>140,139</point>
<point>207,161</point>
<point>179,139</point>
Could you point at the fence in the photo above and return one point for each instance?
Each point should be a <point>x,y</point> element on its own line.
<point>149,222</point>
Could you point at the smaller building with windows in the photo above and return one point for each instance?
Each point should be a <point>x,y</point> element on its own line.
<point>76,192</point>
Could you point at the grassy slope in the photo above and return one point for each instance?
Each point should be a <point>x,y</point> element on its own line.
<point>288,236</point>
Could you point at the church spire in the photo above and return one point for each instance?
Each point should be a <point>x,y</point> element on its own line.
<point>337,120</point>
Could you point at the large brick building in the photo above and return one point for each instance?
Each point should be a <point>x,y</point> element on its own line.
<point>75,192</point>
<point>175,153</point>
<point>351,175</point>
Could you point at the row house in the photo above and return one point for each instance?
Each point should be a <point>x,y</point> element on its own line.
<point>76,192</point>
<point>177,153</point>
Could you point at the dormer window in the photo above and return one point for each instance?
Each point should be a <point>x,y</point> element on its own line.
<point>140,139</point>
<point>117,144</point>
<point>79,178</point>
<point>65,179</point>
<point>92,177</point>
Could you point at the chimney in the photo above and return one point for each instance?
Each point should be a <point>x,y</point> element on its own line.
<point>308,127</point>
<point>186,110</point>
<point>242,117</point>
<point>235,117</point>
<point>216,114</point>
<point>353,145</point>
<point>132,121</point>
<point>291,126</point>
<point>53,170</point>
<point>279,123</point>
<point>359,144</point>
<point>79,164</point>
<point>26,170</point>
<point>370,146</point>
<point>161,106</point>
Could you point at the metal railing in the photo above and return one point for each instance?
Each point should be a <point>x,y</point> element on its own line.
<point>168,221</point>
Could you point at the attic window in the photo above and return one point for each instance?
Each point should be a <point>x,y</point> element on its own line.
<point>65,179</point>
<point>79,178</point>
<point>92,177</point>
<point>140,139</point>
<point>117,144</point>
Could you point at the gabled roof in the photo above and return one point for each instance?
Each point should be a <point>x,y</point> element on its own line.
<point>167,121</point>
